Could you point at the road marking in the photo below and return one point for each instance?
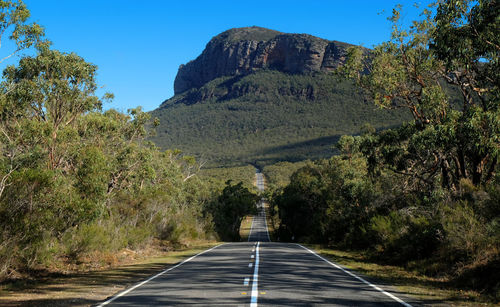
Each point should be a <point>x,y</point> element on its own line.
<point>255,280</point>
<point>245,282</point>
<point>265,224</point>
<point>252,256</point>
<point>397,299</point>
<point>250,265</point>
<point>157,275</point>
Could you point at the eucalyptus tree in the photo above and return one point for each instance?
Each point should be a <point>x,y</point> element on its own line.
<point>455,49</point>
<point>14,29</point>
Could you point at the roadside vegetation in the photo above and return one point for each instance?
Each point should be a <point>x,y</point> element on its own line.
<point>79,183</point>
<point>218,176</point>
<point>425,195</point>
<point>231,207</point>
<point>93,287</point>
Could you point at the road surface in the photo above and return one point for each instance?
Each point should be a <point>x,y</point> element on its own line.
<point>255,273</point>
<point>259,180</point>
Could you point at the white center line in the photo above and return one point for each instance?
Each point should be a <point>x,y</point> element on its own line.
<point>255,280</point>
<point>245,282</point>
<point>155,276</point>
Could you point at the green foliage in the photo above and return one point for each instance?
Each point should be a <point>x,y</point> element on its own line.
<point>278,175</point>
<point>75,179</point>
<point>266,117</point>
<point>402,237</point>
<point>13,17</point>
<point>335,197</point>
<point>219,176</point>
<point>457,47</point>
<point>427,191</point>
<point>230,208</point>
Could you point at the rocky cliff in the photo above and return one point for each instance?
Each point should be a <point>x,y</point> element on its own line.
<point>243,50</point>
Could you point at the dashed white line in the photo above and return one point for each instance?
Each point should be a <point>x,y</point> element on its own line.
<point>397,299</point>
<point>255,280</point>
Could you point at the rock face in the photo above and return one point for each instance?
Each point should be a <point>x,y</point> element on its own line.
<point>243,50</point>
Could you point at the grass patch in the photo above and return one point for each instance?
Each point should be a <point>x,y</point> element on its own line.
<point>88,288</point>
<point>430,291</point>
<point>272,222</point>
<point>245,227</point>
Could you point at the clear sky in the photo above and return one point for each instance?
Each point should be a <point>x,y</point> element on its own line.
<point>139,45</point>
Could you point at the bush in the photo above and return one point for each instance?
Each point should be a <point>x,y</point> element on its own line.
<point>402,237</point>
<point>465,234</point>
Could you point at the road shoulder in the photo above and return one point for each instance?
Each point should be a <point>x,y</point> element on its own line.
<point>410,285</point>
<point>88,288</point>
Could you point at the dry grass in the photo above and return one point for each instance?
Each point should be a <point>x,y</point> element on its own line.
<point>88,288</point>
<point>245,227</point>
<point>428,290</point>
<point>272,222</point>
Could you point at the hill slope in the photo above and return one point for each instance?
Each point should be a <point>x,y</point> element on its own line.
<point>263,114</point>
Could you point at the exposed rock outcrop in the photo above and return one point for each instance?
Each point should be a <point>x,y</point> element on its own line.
<point>243,50</point>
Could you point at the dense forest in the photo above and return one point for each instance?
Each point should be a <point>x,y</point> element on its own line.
<point>78,182</point>
<point>426,194</point>
<point>267,116</point>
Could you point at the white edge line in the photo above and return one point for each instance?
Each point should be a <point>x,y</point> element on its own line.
<point>255,279</point>
<point>265,223</point>
<point>397,299</point>
<point>251,227</point>
<point>153,277</point>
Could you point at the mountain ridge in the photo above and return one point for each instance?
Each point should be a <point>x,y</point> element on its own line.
<point>244,50</point>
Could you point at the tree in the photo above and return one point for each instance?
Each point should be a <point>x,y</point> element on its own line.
<point>446,142</point>
<point>52,89</point>
<point>13,18</point>
<point>466,40</point>
<point>234,203</point>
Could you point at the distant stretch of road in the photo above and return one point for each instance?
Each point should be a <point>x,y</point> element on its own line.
<point>256,273</point>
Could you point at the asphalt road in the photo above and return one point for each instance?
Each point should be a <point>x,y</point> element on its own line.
<point>256,273</point>
<point>258,230</point>
<point>259,180</point>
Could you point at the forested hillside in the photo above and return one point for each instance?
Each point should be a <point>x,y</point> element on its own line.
<point>267,116</point>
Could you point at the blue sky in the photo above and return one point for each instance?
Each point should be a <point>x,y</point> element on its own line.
<point>138,46</point>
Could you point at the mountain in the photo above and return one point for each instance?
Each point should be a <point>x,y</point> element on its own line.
<point>244,50</point>
<point>260,96</point>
